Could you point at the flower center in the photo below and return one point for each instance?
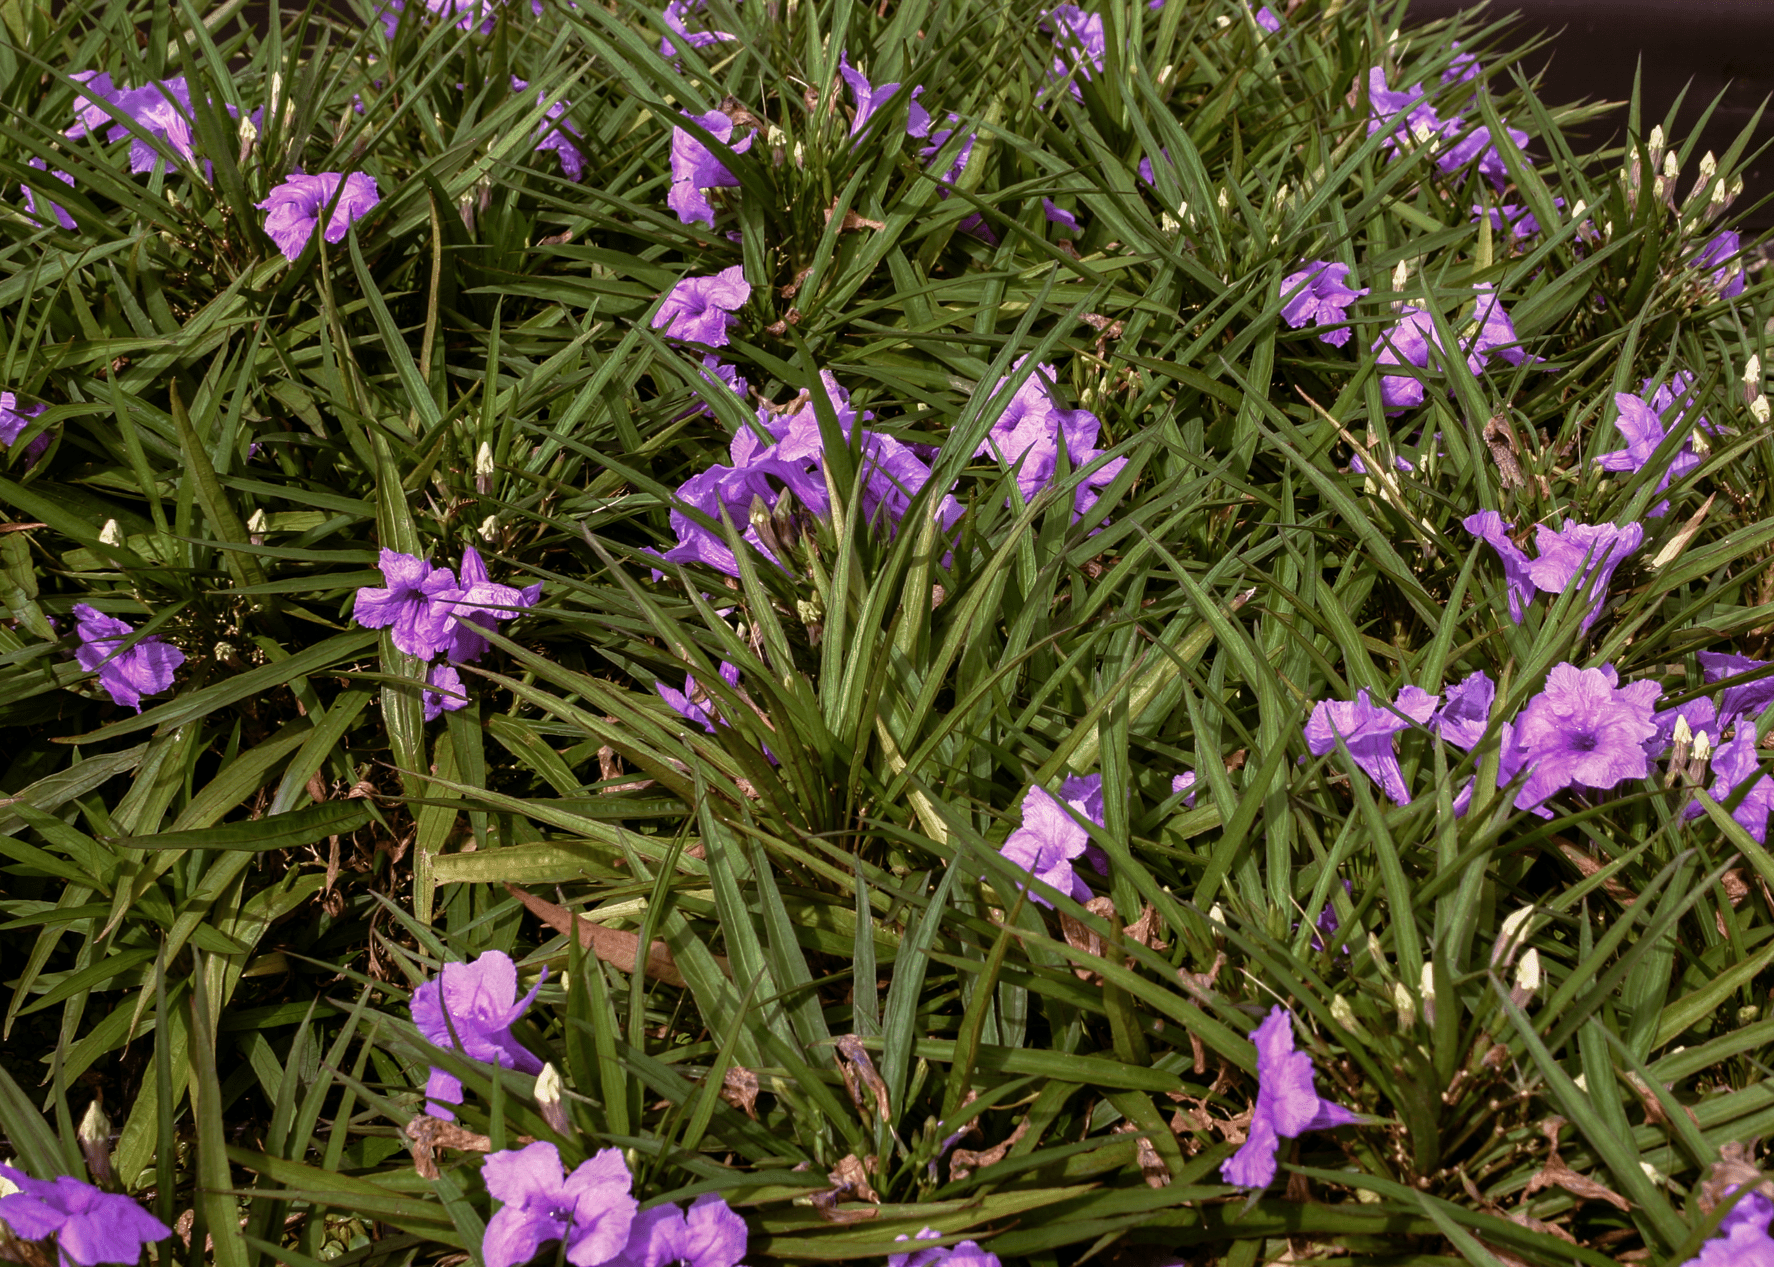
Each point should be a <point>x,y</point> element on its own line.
<point>1584,742</point>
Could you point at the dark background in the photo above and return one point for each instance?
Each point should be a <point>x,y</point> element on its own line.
<point>1706,46</point>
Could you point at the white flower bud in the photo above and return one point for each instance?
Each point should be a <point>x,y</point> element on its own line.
<point>1683,732</point>
<point>775,137</point>
<point>1702,747</point>
<point>1427,990</point>
<point>489,528</point>
<point>1752,372</point>
<point>1168,222</point>
<point>1165,74</point>
<point>1222,21</point>
<point>1404,1004</point>
<point>1527,972</point>
<point>1224,200</point>
<point>1514,932</point>
<point>1377,949</point>
<point>1578,208</point>
<point>1758,408</point>
<point>111,534</point>
<point>94,1135</point>
<point>1652,1173</point>
<point>1401,275</point>
<point>1344,1016</point>
<point>1671,167</point>
<point>7,1186</point>
<point>1217,915</point>
<point>548,1098</point>
<point>1709,167</point>
<point>257,525</point>
<point>1655,143</point>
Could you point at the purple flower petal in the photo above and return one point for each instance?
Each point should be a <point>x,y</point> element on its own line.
<point>1584,730</point>
<point>146,668</point>
<point>293,208</point>
<point>701,309</point>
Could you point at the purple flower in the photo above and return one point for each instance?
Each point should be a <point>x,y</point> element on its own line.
<point>965,1254</point>
<point>717,376</point>
<point>1045,845</point>
<point>482,604</point>
<point>1057,214</point>
<point>1747,700</point>
<point>709,1234</point>
<point>1079,37</point>
<point>1488,526</point>
<point>1742,1240</point>
<point>1590,550</point>
<point>590,1210</point>
<point>556,134</point>
<point>1266,19</point>
<point>1406,343</point>
<point>1327,922</point>
<point>1405,116</point>
<point>701,309</point>
<point>89,1226</point>
<point>418,601</point>
<point>160,108</point>
<point>674,17</point>
<point>695,168</point>
<point>1584,730</point>
<point>1184,782</point>
<point>1517,219</point>
<point>1479,145</point>
<point>1030,431</point>
<point>1644,431</point>
<point>61,217</point>
<point>144,669</point>
<point>89,115</point>
<point>1464,67</point>
<point>1366,729</point>
<point>294,208</point>
<point>870,99</point>
<point>1319,294</point>
<point>1679,391</point>
<point>443,690</point>
<point>1288,1103</point>
<point>1496,333</point>
<point>1465,711</point>
<point>1733,765</point>
<point>14,419</point>
<point>1399,462</point>
<point>733,489</point>
<point>892,476</point>
<point>1722,255</point>
<point>693,703</point>
<point>1701,716</point>
<point>1084,793</point>
<point>468,1008</point>
<point>973,224</point>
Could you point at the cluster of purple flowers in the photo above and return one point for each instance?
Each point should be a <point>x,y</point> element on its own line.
<point>1588,551</point>
<point>1051,837</point>
<point>160,108</point>
<point>1641,422</point>
<point>785,454</point>
<point>1408,343</point>
<point>430,613</point>
<point>1582,731</point>
<point>89,1226</point>
<point>1030,433</point>
<point>593,1213</point>
<point>1411,122</point>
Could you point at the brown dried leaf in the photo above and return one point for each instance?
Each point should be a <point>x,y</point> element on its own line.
<point>858,1072</point>
<point>1499,438</point>
<point>614,946</point>
<point>1152,1167</point>
<point>852,1177</point>
<point>425,1135</point>
<point>739,1087</point>
<point>827,1205</point>
<point>852,222</point>
<point>964,1161</point>
<point>1732,1170</point>
<point>1555,1174</point>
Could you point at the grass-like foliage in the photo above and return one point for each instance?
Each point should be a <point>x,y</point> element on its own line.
<point>834,960</point>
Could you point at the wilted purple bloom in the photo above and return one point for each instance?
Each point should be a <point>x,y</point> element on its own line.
<point>940,138</point>
<point>144,669</point>
<point>674,17</point>
<point>443,690</point>
<point>1734,764</point>
<point>693,703</point>
<point>1584,730</point>
<point>1184,782</point>
<point>701,309</point>
<point>482,605</point>
<point>1722,255</point>
<point>89,1226</point>
<point>870,99</point>
<point>717,376</point>
<point>1320,295</point>
<point>294,208</point>
<point>1057,214</point>
<point>695,169</point>
<point>1590,550</point>
<point>1406,343</point>
<point>1466,710</point>
<point>591,1210</point>
<point>1045,845</point>
<point>733,489</point>
<point>1030,431</point>
<point>794,428</point>
<point>1677,392</point>
<point>1488,526</point>
<point>475,1001</point>
<point>1266,19</point>
<point>61,217</point>
<point>14,419</point>
<point>418,601</point>
<point>1080,40</point>
<point>556,134</point>
<point>1288,1103</point>
<point>1366,729</point>
<point>965,1254</point>
<point>709,1234</point>
<point>1327,922</point>
<point>1644,431</point>
<point>1478,144</point>
<point>1747,700</point>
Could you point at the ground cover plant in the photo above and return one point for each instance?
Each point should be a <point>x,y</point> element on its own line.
<point>802,631</point>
